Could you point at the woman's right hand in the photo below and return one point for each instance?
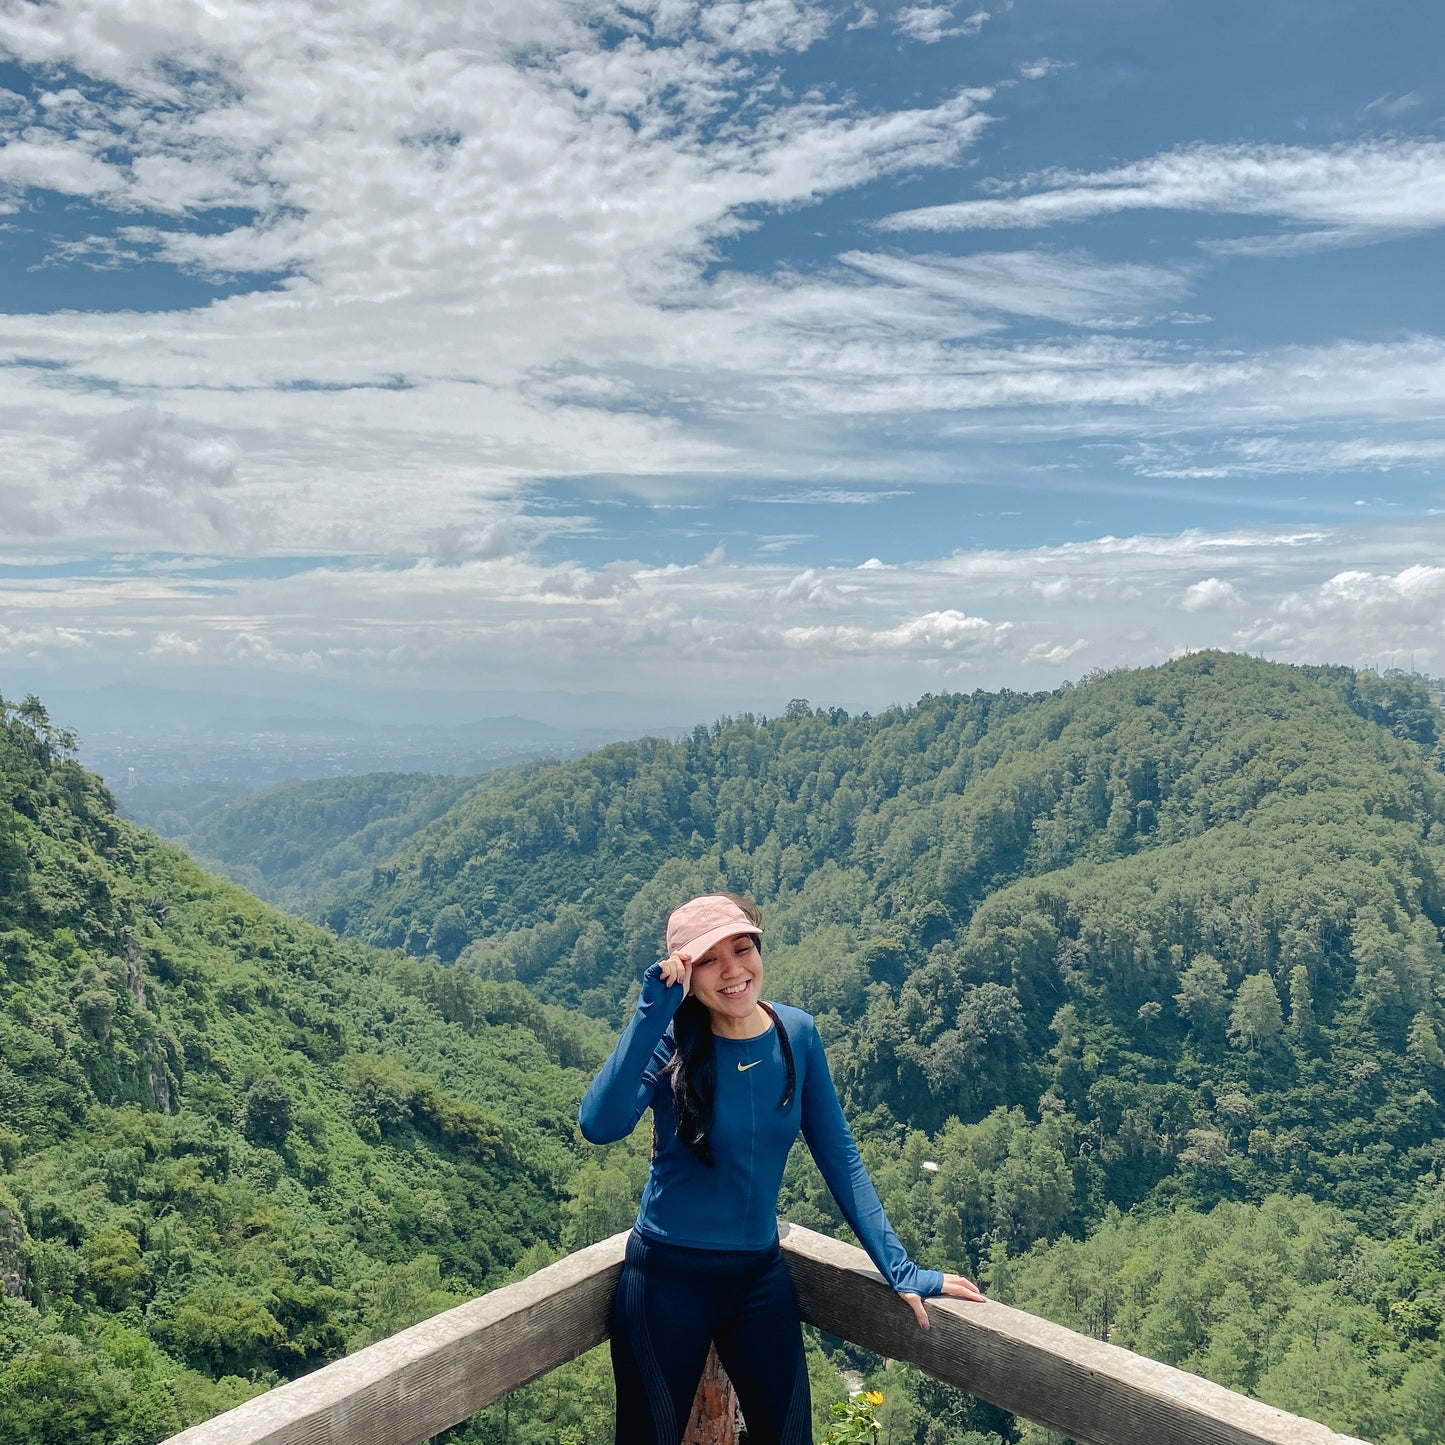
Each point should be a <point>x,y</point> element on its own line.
<point>677,968</point>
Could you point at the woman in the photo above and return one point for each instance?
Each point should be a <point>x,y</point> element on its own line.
<point>730,1080</point>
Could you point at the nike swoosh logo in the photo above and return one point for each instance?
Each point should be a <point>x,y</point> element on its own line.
<point>743,1068</point>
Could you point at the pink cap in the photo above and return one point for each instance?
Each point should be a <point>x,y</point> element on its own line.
<point>705,921</point>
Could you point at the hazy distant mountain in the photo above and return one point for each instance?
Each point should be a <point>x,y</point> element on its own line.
<point>126,706</point>
<point>138,736</point>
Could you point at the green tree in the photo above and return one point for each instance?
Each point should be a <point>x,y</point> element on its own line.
<point>1255,1018</point>
<point>601,1203</point>
<point>400,1296</point>
<point>269,1112</point>
<point>1203,996</point>
<point>450,933</point>
<point>116,1269</point>
<point>1301,1003</point>
<point>1423,1044</point>
<point>1419,1406</point>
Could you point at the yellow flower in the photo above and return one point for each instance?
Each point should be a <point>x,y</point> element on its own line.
<point>873,1397</point>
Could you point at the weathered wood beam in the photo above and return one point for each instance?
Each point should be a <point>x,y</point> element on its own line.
<point>438,1373</point>
<point>406,1388</point>
<point>1095,1393</point>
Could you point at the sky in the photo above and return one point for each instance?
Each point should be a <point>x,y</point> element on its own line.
<point>716,354</point>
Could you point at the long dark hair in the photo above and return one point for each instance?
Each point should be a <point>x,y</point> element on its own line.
<point>693,1066</point>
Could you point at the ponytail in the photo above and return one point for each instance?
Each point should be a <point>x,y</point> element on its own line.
<point>693,1068</point>
<point>791,1080</point>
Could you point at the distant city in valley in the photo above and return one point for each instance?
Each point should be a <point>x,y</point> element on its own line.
<point>139,737</point>
<point>286,749</point>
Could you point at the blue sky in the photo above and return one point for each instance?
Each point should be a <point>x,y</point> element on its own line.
<point>730,351</point>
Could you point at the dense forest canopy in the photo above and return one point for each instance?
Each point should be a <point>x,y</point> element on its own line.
<point>1150,967</point>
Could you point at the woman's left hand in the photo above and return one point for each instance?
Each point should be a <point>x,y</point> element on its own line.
<point>955,1286</point>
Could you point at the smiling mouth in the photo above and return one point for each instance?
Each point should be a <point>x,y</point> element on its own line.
<point>736,991</point>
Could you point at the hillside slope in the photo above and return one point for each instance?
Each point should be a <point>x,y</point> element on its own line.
<point>232,1147</point>
<point>286,842</point>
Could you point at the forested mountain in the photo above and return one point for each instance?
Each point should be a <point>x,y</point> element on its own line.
<point>1149,967</point>
<point>231,1147</point>
<point>286,842</point>
<point>1219,877</point>
<point>1164,939</point>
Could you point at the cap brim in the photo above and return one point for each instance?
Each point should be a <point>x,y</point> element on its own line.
<point>694,948</point>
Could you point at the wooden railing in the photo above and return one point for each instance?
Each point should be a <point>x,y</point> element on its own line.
<point>438,1373</point>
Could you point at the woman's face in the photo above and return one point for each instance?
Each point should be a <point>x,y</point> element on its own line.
<point>728,978</point>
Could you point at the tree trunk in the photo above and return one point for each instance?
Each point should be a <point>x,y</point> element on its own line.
<point>714,1419</point>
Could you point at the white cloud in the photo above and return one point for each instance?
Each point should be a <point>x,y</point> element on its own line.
<point>808,589</point>
<point>472,303</point>
<point>64,166</point>
<point>1368,617</point>
<point>933,635</point>
<point>766,25</point>
<point>1284,244</point>
<point>932,23</point>
<point>255,648</point>
<point>25,516</point>
<point>1038,69</point>
<point>1055,589</point>
<point>491,228</point>
<point>147,475</point>
<point>1054,654</point>
<point>689,630</point>
<point>37,641</point>
<point>947,630</point>
<point>1359,190</point>
<point>828,497</point>
<point>491,249</point>
<point>1418,586</point>
<point>172,644</point>
<point>1076,289</point>
<point>1273,455</point>
<point>582,584</point>
<point>455,543</point>
<point>1210,594</point>
<point>1392,106</point>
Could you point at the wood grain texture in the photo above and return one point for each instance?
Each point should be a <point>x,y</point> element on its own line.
<point>1095,1393</point>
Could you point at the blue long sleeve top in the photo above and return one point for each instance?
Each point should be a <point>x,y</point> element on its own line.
<point>732,1203</point>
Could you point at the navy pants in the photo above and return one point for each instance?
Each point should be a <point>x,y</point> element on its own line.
<point>670,1302</point>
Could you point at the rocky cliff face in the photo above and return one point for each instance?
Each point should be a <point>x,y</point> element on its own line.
<point>12,1261</point>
